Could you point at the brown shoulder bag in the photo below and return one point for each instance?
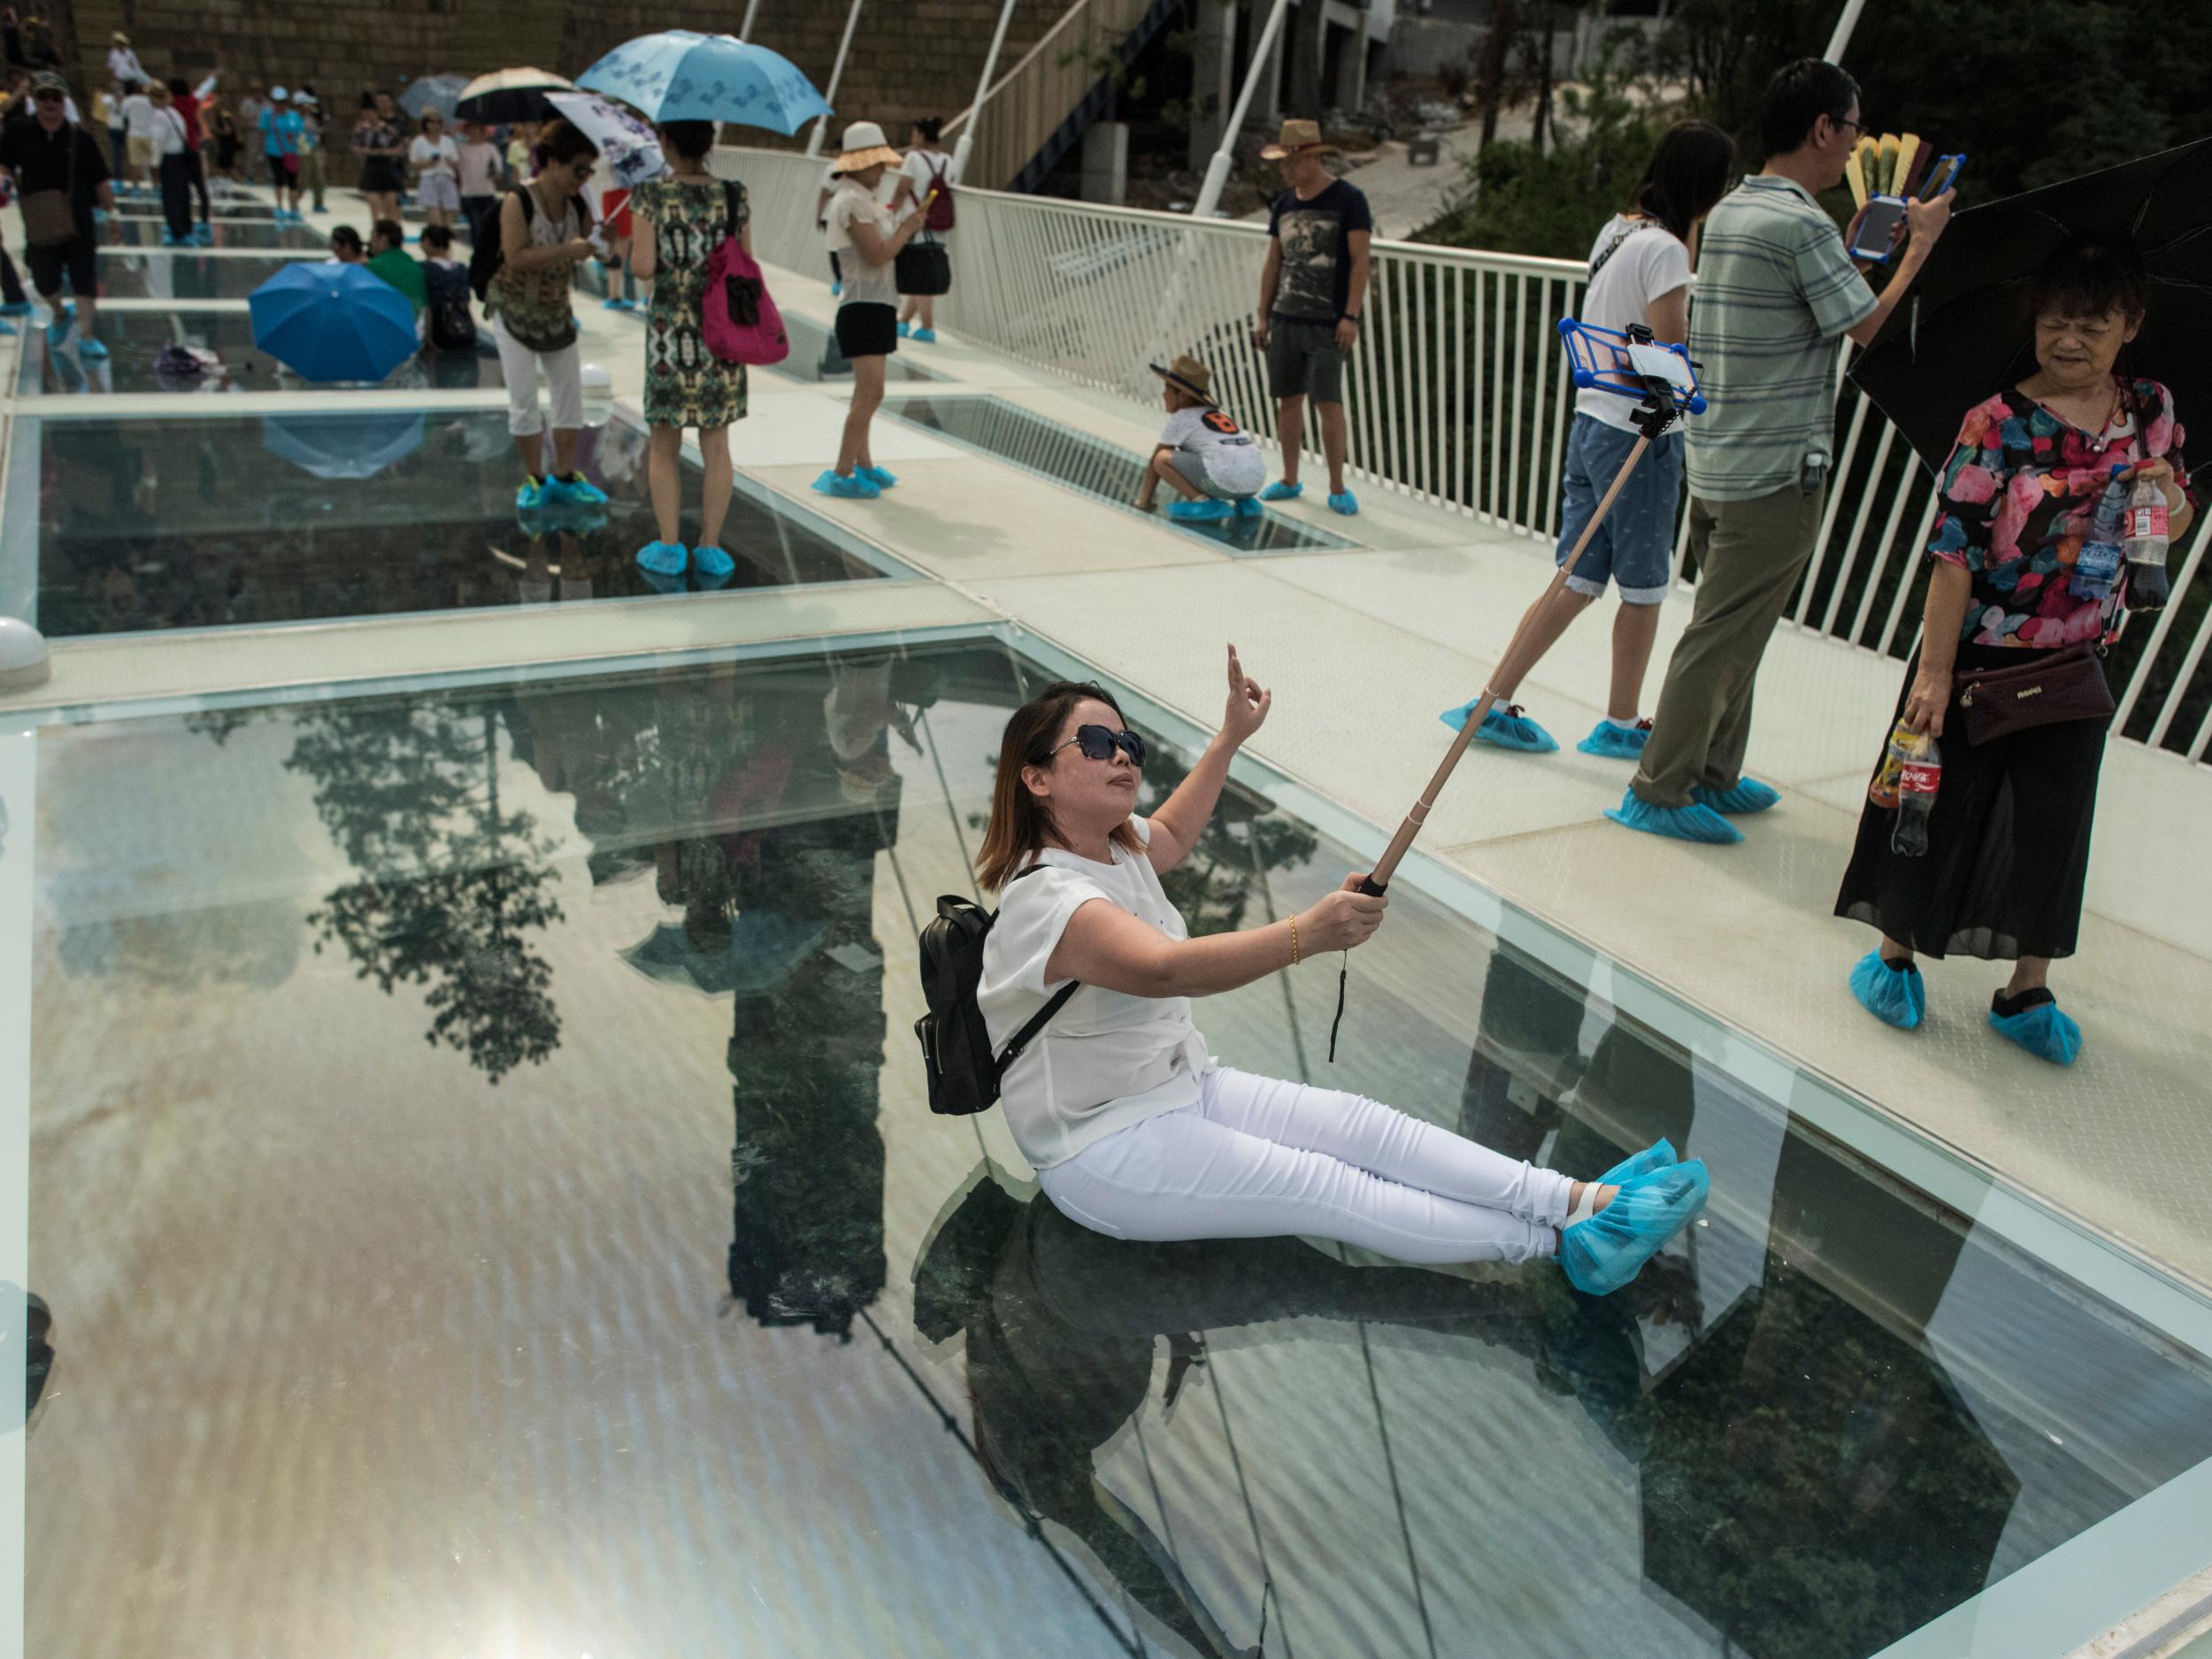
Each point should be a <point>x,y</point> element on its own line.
<point>2067,684</point>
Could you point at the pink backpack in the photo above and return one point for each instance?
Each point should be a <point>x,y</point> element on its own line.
<point>739,320</point>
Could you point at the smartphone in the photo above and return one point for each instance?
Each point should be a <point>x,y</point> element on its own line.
<point>1942,176</point>
<point>1882,217</point>
<point>1658,362</point>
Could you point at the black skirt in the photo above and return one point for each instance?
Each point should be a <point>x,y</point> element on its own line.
<point>2008,843</point>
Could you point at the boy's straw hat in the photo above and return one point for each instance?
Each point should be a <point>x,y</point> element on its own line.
<point>1296,138</point>
<point>864,147</point>
<point>1188,374</point>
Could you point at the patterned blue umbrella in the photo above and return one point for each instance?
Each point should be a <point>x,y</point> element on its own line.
<point>682,76</point>
<point>333,322</point>
<point>340,445</point>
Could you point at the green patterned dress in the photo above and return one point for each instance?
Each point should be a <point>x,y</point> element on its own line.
<point>686,385</point>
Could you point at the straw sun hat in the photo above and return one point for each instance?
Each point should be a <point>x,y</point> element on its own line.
<point>1188,374</point>
<point>864,147</point>
<point>1296,138</point>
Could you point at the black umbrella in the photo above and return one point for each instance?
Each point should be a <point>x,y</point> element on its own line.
<point>1962,334</point>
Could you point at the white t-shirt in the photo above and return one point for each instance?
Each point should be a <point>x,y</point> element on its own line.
<point>1231,460</point>
<point>924,168</point>
<point>1106,1060</point>
<point>168,132</point>
<point>440,160</point>
<point>1649,264</point>
<point>865,284</point>
<point>138,115</point>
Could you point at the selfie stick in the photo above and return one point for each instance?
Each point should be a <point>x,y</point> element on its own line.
<point>1633,364</point>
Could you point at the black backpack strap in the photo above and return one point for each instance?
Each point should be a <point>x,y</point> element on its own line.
<point>1042,1017</point>
<point>729,211</point>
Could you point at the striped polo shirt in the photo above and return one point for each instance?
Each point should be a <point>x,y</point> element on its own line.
<point>1775,292</point>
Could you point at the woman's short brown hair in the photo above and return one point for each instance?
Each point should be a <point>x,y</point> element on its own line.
<point>1021,824</point>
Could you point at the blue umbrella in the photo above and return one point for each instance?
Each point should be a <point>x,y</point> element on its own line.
<point>333,322</point>
<point>682,76</point>
<point>433,92</point>
<point>343,446</point>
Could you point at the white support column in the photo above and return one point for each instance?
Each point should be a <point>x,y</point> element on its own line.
<point>745,29</point>
<point>982,90</point>
<point>1262,61</point>
<point>18,806</point>
<point>1844,24</point>
<point>837,70</point>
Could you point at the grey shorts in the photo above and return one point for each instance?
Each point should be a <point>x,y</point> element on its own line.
<point>1193,468</point>
<point>1303,360</point>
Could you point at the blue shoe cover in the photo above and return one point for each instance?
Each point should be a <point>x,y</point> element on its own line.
<point>1609,741</point>
<point>712,566</point>
<point>2044,1030</point>
<point>529,495</point>
<point>924,336</point>
<point>836,288</point>
<point>664,558</point>
<point>1280,491</point>
<point>854,488</point>
<point>1748,795</point>
<point>91,346</point>
<point>1657,1155</point>
<point>57,332</point>
<point>906,331</point>
<point>1199,511</point>
<point>877,476</point>
<point>17,308</point>
<point>1896,996</point>
<point>1504,726</point>
<point>7,327</point>
<point>1247,507</point>
<point>1683,823</point>
<point>578,491</point>
<point>1345,503</point>
<point>1605,1252</point>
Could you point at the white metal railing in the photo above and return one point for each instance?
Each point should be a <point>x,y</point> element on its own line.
<point>1456,395</point>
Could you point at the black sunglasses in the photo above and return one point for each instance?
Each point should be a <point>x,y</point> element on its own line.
<point>1099,742</point>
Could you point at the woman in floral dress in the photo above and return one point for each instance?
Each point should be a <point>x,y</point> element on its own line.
<point>680,219</point>
<point>2017,567</point>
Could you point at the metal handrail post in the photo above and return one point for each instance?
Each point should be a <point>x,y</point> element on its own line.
<point>837,70</point>
<point>982,89</point>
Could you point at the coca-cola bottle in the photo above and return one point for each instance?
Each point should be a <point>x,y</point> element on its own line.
<point>2145,544</point>
<point>1917,781</point>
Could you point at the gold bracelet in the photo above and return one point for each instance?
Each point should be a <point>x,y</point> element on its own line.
<point>1293,941</point>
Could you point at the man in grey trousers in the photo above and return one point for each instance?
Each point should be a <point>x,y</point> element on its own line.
<point>1777,291</point>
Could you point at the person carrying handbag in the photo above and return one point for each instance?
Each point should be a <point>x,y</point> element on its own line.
<point>63,176</point>
<point>2024,589</point>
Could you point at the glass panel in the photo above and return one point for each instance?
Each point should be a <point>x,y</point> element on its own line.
<point>146,203</point>
<point>1093,465</point>
<point>815,357</point>
<point>181,274</point>
<point>477,1129</point>
<point>136,360</point>
<point>228,233</point>
<point>210,521</point>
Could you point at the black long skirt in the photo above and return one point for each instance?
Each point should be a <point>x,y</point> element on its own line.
<point>2008,843</point>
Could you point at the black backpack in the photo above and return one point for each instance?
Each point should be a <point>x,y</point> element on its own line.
<point>451,327</point>
<point>489,252</point>
<point>963,1073</point>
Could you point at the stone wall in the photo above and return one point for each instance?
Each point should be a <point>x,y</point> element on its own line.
<point>909,59</point>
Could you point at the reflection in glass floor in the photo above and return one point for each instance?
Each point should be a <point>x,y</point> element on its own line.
<point>212,521</point>
<point>229,232</point>
<point>136,341</point>
<point>815,357</point>
<point>1107,471</point>
<point>178,273</point>
<point>147,204</point>
<point>477,1128</point>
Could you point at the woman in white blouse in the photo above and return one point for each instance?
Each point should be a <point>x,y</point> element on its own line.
<point>1134,1128</point>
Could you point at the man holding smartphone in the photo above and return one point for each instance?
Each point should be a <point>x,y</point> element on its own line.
<point>1777,291</point>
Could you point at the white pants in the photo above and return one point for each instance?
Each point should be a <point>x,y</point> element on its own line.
<point>1253,1157</point>
<point>564,380</point>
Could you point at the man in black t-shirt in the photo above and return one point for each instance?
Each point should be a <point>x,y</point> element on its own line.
<point>1312,293</point>
<point>49,152</point>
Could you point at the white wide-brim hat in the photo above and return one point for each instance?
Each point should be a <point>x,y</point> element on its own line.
<point>864,147</point>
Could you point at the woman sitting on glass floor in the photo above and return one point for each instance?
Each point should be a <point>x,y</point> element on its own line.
<point>1136,1132</point>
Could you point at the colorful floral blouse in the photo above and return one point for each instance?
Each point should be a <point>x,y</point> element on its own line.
<point>2020,496</point>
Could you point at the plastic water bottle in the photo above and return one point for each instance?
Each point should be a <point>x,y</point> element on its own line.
<point>2144,543</point>
<point>2097,566</point>
<point>1883,791</point>
<point>1918,781</point>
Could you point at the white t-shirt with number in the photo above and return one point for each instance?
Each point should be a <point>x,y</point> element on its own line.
<point>1231,460</point>
<point>1106,1060</point>
<point>1649,263</point>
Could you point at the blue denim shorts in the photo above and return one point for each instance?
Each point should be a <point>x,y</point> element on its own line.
<point>1635,545</point>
